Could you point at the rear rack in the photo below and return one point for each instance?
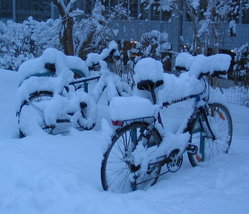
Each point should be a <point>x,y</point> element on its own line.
<point>140,119</point>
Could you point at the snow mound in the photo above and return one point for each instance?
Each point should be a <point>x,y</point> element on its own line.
<point>184,60</point>
<point>148,69</point>
<point>201,64</point>
<point>63,64</point>
<point>126,108</point>
<point>210,64</point>
<point>178,87</point>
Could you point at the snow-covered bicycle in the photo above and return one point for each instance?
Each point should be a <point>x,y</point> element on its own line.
<point>57,97</point>
<point>140,147</point>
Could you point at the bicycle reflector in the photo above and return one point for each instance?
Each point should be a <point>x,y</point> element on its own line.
<point>117,122</point>
<point>221,115</point>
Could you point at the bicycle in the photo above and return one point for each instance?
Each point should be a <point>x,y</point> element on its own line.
<point>54,107</point>
<point>136,153</point>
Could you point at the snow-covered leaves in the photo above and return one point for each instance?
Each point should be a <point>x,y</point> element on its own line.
<point>22,41</point>
<point>154,43</point>
<point>241,66</point>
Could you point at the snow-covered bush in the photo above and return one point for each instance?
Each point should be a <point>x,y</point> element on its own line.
<point>92,33</point>
<point>22,41</point>
<point>153,44</point>
<point>241,67</point>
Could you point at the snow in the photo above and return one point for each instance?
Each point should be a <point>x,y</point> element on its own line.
<point>64,102</point>
<point>63,64</point>
<point>201,64</point>
<point>112,46</point>
<point>210,64</point>
<point>148,69</point>
<point>46,174</point>
<point>127,108</point>
<point>184,60</point>
<point>178,87</point>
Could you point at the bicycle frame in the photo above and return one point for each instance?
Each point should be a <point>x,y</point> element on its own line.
<point>199,110</point>
<point>198,107</point>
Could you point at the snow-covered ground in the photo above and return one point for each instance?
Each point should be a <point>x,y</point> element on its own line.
<point>61,174</point>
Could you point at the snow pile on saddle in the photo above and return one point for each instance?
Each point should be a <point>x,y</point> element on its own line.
<point>62,63</point>
<point>174,87</point>
<point>148,69</point>
<point>36,78</point>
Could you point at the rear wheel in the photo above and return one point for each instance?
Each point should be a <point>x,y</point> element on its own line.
<point>220,122</point>
<point>125,166</point>
<point>31,113</point>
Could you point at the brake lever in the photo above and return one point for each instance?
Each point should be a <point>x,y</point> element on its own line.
<point>221,90</point>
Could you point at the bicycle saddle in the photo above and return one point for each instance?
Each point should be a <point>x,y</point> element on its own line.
<point>149,85</point>
<point>50,67</point>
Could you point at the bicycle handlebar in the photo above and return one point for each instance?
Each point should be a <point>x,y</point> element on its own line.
<point>85,79</point>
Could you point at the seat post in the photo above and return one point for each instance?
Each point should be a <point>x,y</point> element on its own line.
<point>153,94</point>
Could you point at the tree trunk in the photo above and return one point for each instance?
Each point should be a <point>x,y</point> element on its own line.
<point>67,31</point>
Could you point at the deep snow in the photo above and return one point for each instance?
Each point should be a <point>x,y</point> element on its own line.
<point>61,174</point>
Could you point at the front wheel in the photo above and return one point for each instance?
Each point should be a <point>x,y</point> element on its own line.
<point>209,147</point>
<point>125,166</point>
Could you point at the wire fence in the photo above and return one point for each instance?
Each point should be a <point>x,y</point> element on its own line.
<point>237,95</point>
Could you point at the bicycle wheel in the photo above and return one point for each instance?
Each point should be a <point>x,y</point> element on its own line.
<point>30,115</point>
<point>220,123</point>
<point>125,166</point>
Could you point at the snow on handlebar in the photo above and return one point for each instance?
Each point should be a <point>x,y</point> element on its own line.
<point>200,65</point>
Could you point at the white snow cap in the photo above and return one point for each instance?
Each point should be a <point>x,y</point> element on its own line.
<point>62,63</point>
<point>209,64</point>
<point>203,64</point>
<point>184,60</point>
<point>148,69</point>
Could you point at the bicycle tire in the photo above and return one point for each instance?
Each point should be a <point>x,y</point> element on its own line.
<point>220,122</point>
<point>35,100</point>
<point>116,162</point>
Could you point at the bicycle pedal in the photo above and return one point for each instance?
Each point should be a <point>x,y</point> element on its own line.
<point>192,149</point>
